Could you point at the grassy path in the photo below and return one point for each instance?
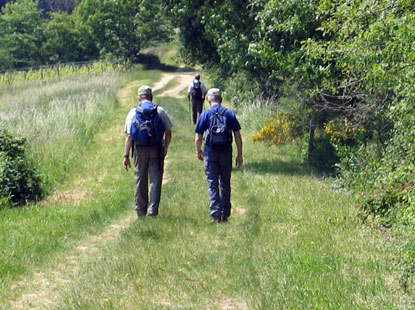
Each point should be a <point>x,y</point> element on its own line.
<point>292,241</point>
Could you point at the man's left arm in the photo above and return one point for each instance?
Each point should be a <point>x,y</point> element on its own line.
<point>204,91</point>
<point>238,141</point>
<point>168,136</point>
<point>198,143</point>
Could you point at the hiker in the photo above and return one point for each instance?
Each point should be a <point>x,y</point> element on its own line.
<point>196,91</point>
<point>218,123</point>
<point>145,126</point>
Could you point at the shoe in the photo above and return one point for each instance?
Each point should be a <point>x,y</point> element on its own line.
<point>224,219</point>
<point>216,220</point>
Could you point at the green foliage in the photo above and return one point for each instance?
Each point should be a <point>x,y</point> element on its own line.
<point>20,182</point>
<point>117,30</point>
<point>21,35</point>
<point>62,42</point>
<point>324,156</point>
<point>63,71</point>
<point>96,29</point>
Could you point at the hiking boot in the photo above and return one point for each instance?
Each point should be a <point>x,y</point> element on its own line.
<point>140,215</point>
<point>216,220</point>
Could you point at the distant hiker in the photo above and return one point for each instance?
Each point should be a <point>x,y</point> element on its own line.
<point>196,92</point>
<point>148,130</point>
<point>218,123</point>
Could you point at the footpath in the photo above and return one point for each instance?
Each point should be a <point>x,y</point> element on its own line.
<point>41,291</point>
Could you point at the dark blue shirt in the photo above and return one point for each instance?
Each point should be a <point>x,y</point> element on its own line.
<point>203,125</point>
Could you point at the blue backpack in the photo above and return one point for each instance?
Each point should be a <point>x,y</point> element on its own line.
<point>147,129</point>
<point>218,134</point>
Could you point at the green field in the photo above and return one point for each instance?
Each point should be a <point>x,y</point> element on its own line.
<point>293,241</point>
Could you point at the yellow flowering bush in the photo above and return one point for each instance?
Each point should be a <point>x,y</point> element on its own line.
<point>282,129</point>
<point>342,130</point>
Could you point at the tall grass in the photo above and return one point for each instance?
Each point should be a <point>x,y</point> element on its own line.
<point>255,112</point>
<point>94,189</point>
<point>61,71</point>
<point>58,117</point>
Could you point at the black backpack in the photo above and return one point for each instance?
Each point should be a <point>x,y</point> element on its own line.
<point>197,90</point>
<point>218,134</point>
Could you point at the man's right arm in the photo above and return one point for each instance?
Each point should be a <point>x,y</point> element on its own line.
<point>167,141</point>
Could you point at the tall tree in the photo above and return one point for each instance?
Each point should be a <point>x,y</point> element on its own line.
<point>63,43</point>
<point>21,34</point>
<point>122,28</point>
<point>57,5</point>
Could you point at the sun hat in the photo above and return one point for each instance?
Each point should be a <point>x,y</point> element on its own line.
<point>144,90</point>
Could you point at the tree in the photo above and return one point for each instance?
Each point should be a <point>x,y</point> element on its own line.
<point>21,34</point>
<point>122,28</point>
<point>57,5</point>
<point>62,40</point>
<point>215,33</point>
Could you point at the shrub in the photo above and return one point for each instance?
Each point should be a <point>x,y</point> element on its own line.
<point>283,128</point>
<point>147,59</point>
<point>20,182</point>
<point>324,157</point>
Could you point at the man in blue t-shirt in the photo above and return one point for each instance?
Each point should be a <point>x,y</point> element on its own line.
<point>218,159</point>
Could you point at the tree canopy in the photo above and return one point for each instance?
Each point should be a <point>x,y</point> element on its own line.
<point>34,33</point>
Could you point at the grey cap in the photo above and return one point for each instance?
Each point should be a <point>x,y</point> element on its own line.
<point>214,92</point>
<point>144,90</point>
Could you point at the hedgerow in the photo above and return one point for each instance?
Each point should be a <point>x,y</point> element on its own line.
<point>20,182</point>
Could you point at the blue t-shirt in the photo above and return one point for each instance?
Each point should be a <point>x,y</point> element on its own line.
<point>203,125</point>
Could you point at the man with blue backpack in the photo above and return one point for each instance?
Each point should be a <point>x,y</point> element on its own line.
<point>148,130</point>
<point>219,124</point>
<point>197,91</point>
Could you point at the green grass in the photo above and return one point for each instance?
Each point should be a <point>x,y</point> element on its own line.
<point>81,205</point>
<point>293,242</point>
<point>58,117</point>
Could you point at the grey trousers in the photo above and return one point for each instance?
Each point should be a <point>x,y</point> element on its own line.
<point>148,168</point>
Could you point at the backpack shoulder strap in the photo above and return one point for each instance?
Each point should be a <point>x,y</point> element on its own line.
<point>221,111</point>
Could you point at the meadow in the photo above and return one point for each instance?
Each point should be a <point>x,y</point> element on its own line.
<point>293,241</point>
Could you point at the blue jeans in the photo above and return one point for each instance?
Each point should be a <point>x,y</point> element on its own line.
<point>218,176</point>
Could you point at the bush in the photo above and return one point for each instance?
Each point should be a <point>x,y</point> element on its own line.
<point>323,157</point>
<point>284,127</point>
<point>20,181</point>
<point>148,60</point>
